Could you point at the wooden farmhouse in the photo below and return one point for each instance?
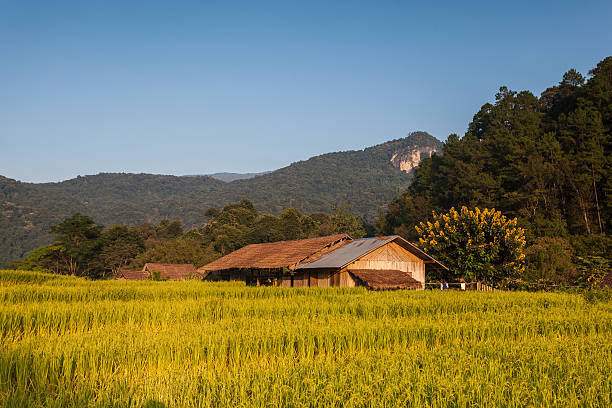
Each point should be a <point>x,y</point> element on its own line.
<point>166,272</point>
<point>379,263</point>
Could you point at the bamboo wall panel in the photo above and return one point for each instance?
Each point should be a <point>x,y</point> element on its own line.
<point>392,252</point>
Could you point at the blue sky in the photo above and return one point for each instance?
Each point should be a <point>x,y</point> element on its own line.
<point>200,87</point>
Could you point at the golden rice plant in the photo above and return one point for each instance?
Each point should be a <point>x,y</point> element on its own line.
<point>68,342</point>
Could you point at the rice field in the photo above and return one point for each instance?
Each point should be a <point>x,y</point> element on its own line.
<point>67,342</point>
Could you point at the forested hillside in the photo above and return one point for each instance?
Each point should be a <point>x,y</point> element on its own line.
<point>26,212</point>
<point>83,248</point>
<point>365,180</point>
<point>547,161</point>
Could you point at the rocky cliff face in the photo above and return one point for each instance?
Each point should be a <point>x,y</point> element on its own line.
<point>409,157</point>
<point>314,185</point>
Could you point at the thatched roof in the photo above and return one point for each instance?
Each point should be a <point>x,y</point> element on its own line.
<point>171,271</point>
<point>132,275</point>
<point>274,255</point>
<point>385,279</point>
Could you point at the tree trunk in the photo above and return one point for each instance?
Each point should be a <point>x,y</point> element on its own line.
<point>596,201</point>
<point>584,214</point>
<point>72,266</point>
<point>582,205</point>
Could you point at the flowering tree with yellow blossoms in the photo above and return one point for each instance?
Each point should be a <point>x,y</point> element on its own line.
<point>476,245</point>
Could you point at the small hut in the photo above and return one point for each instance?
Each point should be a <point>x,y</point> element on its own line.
<point>132,275</point>
<point>171,271</point>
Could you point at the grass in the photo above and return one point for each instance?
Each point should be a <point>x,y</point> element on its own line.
<point>67,342</point>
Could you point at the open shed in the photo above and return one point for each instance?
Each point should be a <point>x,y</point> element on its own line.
<point>378,263</point>
<point>271,263</point>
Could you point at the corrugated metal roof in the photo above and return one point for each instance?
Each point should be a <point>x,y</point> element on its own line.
<point>361,247</point>
<point>348,253</point>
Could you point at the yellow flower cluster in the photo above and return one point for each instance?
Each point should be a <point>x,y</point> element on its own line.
<point>486,230</point>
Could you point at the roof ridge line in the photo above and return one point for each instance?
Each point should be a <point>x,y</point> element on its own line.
<point>326,246</point>
<point>298,239</point>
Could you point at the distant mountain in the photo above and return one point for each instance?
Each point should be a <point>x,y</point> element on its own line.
<point>229,177</point>
<point>366,180</point>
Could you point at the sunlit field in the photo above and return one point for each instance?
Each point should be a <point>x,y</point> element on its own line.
<point>67,342</point>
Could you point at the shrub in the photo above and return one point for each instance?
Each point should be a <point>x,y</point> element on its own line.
<point>475,244</point>
<point>549,260</point>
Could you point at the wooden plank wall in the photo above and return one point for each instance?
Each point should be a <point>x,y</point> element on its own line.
<point>285,281</point>
<point>319,279</point>
<point>342,278</point>
<point>300,279</point>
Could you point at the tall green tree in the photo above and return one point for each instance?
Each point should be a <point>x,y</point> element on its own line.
<point>187,249</point>
<point>546,161</point>
<point>80,237</point>
<point>48,258</point>
<point>120,245</point>
<point>582,136</point>
<point>344,222</point>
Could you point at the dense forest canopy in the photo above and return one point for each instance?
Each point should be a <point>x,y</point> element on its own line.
<point>84,248</point>
<point>546,161</point>
<point>364,179</point>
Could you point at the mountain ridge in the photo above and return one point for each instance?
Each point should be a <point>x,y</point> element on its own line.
<point>366,180</point>
<point>228,177</point>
